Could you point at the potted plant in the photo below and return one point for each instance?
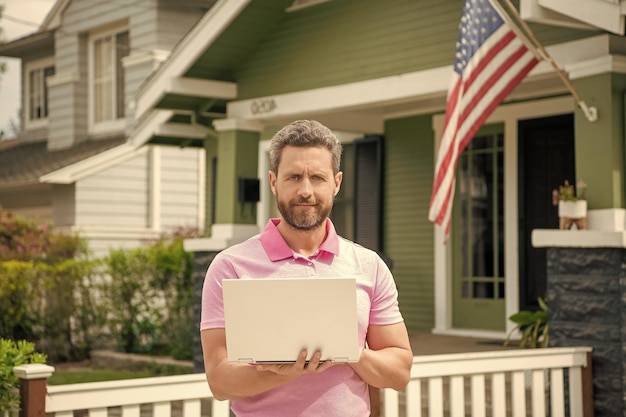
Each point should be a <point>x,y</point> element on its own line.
<point>533,326</point>
<point>572,205</point>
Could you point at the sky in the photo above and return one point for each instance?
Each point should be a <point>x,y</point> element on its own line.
<point>20,18</point>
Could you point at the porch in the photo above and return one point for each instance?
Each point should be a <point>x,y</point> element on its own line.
<point>451,376</point>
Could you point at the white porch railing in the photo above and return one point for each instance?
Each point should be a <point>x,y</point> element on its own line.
<point>501,383</point>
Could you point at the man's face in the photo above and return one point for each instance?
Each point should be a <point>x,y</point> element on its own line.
<point>305,186</point>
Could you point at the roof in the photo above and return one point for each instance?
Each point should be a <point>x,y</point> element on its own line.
<point>21,46</point>
<point>24,163</point>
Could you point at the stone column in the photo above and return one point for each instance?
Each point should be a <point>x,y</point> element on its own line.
<point>586,294</point>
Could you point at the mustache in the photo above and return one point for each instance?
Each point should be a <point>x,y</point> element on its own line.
<point>303,200</point>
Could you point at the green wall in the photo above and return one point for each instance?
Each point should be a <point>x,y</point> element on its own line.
<point>600,144</point>
<point>408,235</point>
<point>344,41</point>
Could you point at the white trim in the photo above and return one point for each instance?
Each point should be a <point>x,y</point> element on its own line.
<point>429,86</point>
<point>183,130</point>
<point>601,14</point>
<point>601,65</point>
<point>201,190</point>
<point>222,237</point>
<point>531,11</point>
<point>115,124</point>
<point>148,126</point>
<point>155,188</point>
<point>346,96</point>
<point>117,233</point>
<point>199,87</point>
<point>303,4</point>
<point>155,57</point>
<point>509,115</point>
<point>29,66</point>
<point>63,78</point>
<point>90,166</point>
<point>203,34</point>
<point>195,87</point>
<point>543,238</point>
<point>225,125</point>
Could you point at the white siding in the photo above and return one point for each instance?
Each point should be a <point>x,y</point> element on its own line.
<point>116,197</point>
<point>180,174</point>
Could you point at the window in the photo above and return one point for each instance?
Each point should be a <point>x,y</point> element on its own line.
<point>36,92</point>
<point>480,185</point>
<point>106,107</point>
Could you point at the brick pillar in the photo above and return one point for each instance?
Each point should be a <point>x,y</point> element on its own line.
<point>587,306</point>
<point>33,381</point>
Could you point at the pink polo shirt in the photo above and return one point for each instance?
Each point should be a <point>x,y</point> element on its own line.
<point>338,391</point>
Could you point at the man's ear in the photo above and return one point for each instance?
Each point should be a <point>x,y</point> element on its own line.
<point>272,178</point>
<point>338,179</point>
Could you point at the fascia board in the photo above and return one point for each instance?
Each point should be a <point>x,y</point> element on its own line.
<point>90,166</point>
<point>195,87</point>
<point>602,14</point>
<point>187,52</point>
<point>183,131</point>
<point>147,127</point>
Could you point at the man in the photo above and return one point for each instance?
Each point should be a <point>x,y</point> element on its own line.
<point>305,178</point>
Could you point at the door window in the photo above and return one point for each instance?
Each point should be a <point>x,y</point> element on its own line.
<point>481,198</point>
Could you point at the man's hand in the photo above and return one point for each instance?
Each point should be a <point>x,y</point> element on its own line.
<point>299,367</point>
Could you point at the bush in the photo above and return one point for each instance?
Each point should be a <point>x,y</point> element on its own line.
<point>42,293</point>
<point>152,294</point>
<point>14,354</point>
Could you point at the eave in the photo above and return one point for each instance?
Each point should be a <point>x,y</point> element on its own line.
<point>22,46</point>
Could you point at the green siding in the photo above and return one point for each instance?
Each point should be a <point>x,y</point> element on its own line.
<point>346,41</point>
<point>408,235</point>
<point>600,145</point>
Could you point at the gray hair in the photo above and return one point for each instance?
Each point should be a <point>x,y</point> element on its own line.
<point>305,133</point>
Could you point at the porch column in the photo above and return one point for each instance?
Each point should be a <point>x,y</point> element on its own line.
<point>586,289</point>
<point>600,144</point>
<point>232,165</point>
<point>33,381</point>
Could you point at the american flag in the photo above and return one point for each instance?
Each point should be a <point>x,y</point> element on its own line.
<point>490,60</point>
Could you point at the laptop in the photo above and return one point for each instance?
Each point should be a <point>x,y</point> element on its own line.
<point>271,320</point>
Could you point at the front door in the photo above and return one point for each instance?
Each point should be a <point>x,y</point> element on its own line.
<point>478,234</point>
<point>546,160</point>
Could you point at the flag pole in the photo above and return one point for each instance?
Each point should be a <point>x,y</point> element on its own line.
<point>590,112</point>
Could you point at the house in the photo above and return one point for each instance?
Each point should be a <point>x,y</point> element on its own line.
<point>71,163</point>
<point>377,73</point>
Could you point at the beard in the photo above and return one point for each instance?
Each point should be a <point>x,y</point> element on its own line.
<point>304,220</point>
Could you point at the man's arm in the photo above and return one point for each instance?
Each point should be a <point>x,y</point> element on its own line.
<point>387,361</point>
<point>229,380</point>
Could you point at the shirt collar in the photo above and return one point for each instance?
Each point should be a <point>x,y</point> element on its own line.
<point>277,249</point>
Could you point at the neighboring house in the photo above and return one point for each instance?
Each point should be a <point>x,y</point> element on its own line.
<point>71,163</point>
<point>377,73</point>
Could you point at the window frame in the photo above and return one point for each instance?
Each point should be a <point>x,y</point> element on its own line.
<point>114,124</point>
<point>30,66</point>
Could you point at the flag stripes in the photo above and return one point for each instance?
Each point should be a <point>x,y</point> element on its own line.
<point>496,65</point>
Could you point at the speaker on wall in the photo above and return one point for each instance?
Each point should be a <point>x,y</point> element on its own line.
<point>249,190</point>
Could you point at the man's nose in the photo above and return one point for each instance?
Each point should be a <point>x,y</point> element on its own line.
<point>305,188</point>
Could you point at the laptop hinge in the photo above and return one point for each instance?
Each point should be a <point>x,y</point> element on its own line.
<point>340,359</point>
<point>245,360</point>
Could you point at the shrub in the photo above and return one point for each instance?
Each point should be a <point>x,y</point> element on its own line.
<point>152,297</point>
<point>14,354</point>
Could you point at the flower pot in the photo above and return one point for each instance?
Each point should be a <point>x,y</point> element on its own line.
<point>573,213</point>
<point>573,209</point>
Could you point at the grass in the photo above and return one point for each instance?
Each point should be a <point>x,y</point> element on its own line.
<point>85,374</point>
<point>77,376</point>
